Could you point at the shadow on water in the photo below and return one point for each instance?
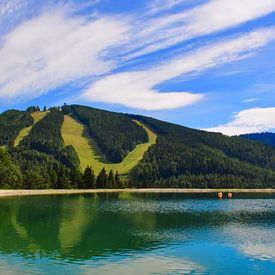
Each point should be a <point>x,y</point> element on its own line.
<point>79,227</point>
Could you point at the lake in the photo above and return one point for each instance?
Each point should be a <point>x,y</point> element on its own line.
<point>128,233</point>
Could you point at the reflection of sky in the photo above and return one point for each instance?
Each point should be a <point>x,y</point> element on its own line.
<point>147,264</point>
<point>139,264</point>
<point>255,242</point>
<point>203,254</point>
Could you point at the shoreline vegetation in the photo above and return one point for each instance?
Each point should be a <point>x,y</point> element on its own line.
<point>11,193</point>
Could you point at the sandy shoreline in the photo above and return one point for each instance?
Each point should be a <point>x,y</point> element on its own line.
<point>8,193</point>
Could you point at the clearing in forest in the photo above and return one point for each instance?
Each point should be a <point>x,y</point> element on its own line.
<point>75,133</point>
<point>25,132</point>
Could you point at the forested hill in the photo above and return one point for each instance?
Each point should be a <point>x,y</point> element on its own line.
<point>115,134</point>
<point>185,157</point>
<point>179,157</point>
<point>267,138</point>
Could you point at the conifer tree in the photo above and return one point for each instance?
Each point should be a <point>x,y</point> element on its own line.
<point>117,180</point>
<point>102,179</point>
<point>63,180</point>
<point>111,180</point>
<point>88,181</point>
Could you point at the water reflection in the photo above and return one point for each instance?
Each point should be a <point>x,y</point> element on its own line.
<point>254,241</point>
<point>75,219</point>
<point>147,264</point>
<point>120,226</point>
<point>75,227</point>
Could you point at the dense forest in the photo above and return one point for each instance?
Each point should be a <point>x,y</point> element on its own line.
<point>187,158</point>
<point>266,138</point>
<point>115,134</point>
<point>30,169</point>
<point>11,122</point>
<point>182,157</point>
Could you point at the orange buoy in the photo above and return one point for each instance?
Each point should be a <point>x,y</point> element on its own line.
<point>220,195</point>
<point>229,195</point>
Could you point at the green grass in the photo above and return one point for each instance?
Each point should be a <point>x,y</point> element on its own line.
<point>74,133</point>
<point>25,132</point>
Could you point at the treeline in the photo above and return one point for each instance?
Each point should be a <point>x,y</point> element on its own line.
<point>46,137</point>
<point>188,158</point>
<point>11,123</point>
<point>115,134</point>
<point>35,170</point>
<point>209,181</point>
<point>33,109</point>
<point>103,180</point>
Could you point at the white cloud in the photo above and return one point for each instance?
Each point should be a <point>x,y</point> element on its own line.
<point>248,121</point>
<point>156,6</point>
<point>53,49</point>
<point>214,16</point>
<point>229,73</point>
<point>136,89</point>
<point>250,100</point>
<point>149,264</point>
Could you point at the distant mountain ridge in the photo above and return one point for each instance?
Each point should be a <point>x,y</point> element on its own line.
<point>266,137</point>
<point>149,152</point>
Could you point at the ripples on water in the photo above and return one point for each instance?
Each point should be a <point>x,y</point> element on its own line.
<point>137,234</point>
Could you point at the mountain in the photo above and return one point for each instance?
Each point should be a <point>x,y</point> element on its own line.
<point>77,146</point>
<point>266,138</point>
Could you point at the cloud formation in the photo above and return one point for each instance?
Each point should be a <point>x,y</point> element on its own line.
<point>56,48</point>
<point>216,15</point>
<point>248,121</point>
<point>137,89</point>
<point>53,49</point>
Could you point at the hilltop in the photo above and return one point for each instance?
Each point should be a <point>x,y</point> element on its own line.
<point>83,147</point>
<point>266,138</point>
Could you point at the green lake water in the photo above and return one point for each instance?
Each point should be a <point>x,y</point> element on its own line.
<point>125,233</point>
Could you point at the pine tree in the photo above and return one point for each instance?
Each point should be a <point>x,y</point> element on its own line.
<point>117,180</point>
<point>63,181</point>
<point>88,180</point>
<point>102,179</point>
<point>111,180</point>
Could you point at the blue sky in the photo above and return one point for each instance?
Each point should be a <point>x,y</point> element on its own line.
<point>204,64</point>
